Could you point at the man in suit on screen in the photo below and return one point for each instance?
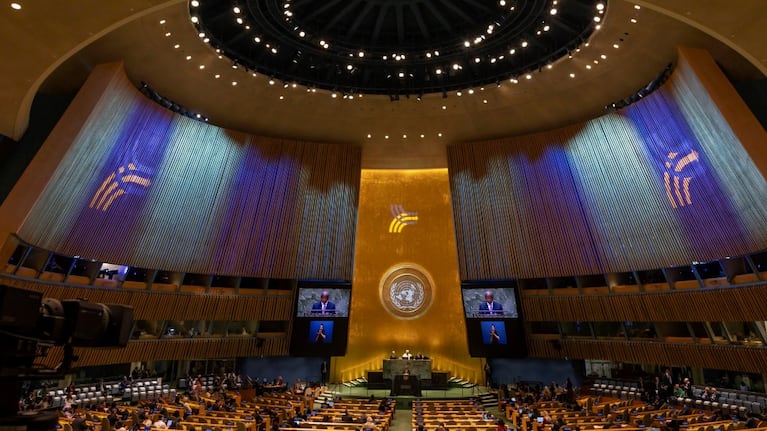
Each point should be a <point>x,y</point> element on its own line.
<point>324,306</point>
<point>489,306</point>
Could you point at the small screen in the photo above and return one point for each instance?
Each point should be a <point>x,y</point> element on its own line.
<point>493,332</point>
<point>321,331</point>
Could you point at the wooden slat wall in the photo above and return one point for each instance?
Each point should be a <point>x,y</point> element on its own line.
<point>207,200</point>
<point>591,198</point>
<point>149,305</point>
<point>737,358</point>
<point>716,305</point>
<point>168,349</point>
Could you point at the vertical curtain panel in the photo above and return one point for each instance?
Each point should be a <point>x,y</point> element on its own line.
<point>663,182</point>
<point>142,186</point>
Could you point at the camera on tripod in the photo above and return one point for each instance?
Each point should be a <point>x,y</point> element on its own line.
<point>30,325</point>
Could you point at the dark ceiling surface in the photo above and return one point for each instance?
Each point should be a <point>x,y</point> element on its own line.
<point>396,47</point>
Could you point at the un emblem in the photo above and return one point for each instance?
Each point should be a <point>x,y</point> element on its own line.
<point>406,291</point>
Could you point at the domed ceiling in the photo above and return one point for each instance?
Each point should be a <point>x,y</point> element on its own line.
<point>158,43</point>
<point>395,47</point>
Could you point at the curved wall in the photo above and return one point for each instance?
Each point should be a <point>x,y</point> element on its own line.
<point>144,187</point>
<point>663,182</point>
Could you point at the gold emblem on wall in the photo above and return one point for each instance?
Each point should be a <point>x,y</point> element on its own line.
<point>401,218</point>
<point>681,183</point>
<point>406,291</point>
<point>116,185</point>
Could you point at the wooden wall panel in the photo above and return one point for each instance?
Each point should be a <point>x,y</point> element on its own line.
<point>716,304</point>
<point>148,305</point>
<point>188,348</point>
<point>736,358</point>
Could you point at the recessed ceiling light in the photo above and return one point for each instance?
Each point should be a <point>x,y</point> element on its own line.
<point>439,134</point>
<point>188,57</point>
<point>404,136</point>
<point>444,107</point>
<point>202,66</point>
<point>15,6</point>
<point>195,3</point>
<point>234,83</point>
<point>162,21</point>
<point>636,6</point>
<point>572,75</point>
<point>369,136</point>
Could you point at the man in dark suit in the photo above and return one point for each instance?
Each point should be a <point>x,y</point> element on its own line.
<point>490,306</point>
<point>323,372</point>
<point>324,306</point>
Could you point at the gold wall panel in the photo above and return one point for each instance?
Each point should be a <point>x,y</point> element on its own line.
<point>383,244</point>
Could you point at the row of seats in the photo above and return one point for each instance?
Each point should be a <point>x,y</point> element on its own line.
<point>732,401</point>
<point>738,402</point>
<point>623,389</point>
<point>148,391</point>
<point>90,394</point>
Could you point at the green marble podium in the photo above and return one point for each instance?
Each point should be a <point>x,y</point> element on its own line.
<point>420,368</point>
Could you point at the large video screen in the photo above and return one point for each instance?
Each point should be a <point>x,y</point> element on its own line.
<point>493,322</point>
<point>325,300</point>
<point>490,301</point>
<point>321,325</point>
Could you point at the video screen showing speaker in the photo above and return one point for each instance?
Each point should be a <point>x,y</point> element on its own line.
<point>493,322</point>
<point>321,325</point>
<point>323,299</point>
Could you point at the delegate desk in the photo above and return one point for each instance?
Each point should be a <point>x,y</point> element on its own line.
<point>420,368</point>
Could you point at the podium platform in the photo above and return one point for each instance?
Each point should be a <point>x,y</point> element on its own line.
<point>405,385</point>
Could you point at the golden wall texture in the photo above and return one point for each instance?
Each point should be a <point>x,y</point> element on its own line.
<point>438,330</point>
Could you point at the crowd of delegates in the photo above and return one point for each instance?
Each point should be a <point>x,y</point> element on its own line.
<point>527,398</point>
<point>530,393</point>
<point>664,388</point>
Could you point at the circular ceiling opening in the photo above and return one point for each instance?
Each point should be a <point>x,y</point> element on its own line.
<point>395,47</point>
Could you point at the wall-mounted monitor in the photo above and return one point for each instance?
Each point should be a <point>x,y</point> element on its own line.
<point>493,321</point>
<point>321,325</point>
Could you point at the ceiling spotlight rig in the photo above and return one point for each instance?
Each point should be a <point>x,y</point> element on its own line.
<point>396,47</point>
